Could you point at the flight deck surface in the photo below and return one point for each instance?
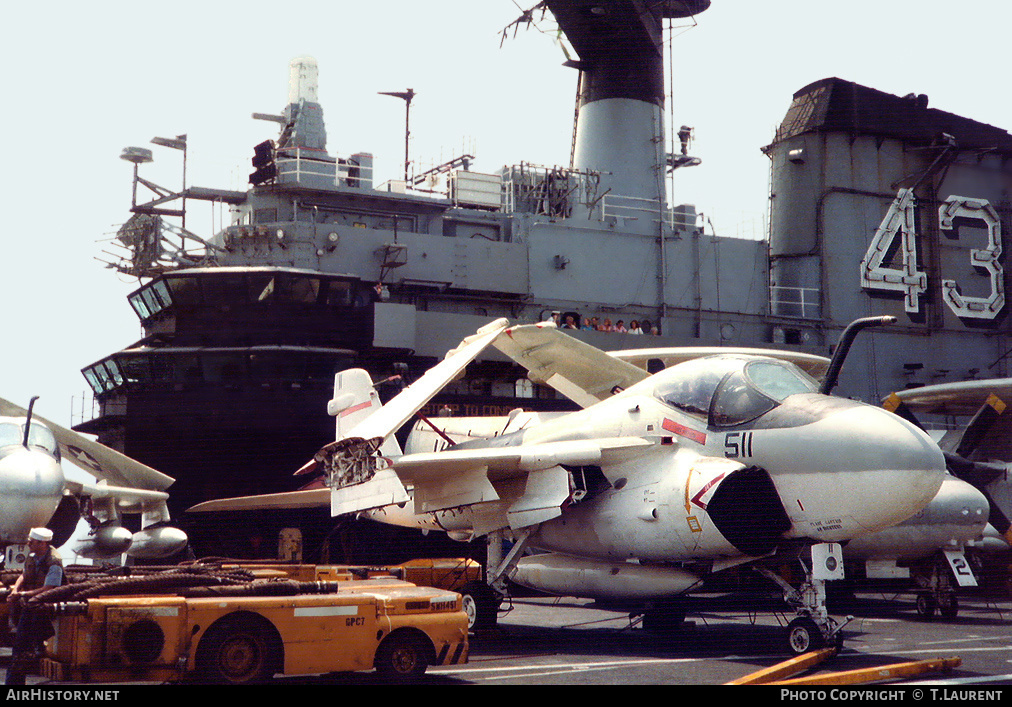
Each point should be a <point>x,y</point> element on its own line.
<point>570,641</point>
<point>566,641</point>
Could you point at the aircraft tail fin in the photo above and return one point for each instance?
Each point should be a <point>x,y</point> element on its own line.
<point>355,399</point>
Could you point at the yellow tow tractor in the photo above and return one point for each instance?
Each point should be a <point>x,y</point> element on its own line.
<point>243,624</point>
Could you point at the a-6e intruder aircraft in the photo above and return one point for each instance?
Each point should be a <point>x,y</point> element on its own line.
<point>973,427</point>
<point>929,553</point>
<point>975,437</point>
<point>34,491</point>
<point>657,483</point>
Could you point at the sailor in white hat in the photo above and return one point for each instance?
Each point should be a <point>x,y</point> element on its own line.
<point>43,570</point>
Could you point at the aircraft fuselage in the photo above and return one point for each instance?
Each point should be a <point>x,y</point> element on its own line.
<point>725,476</point>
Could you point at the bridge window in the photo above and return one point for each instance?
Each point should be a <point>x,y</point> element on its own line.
<point>185,290</point>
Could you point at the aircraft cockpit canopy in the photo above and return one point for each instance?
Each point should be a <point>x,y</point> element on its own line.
<point>728,390</point>
<point>40,436</point>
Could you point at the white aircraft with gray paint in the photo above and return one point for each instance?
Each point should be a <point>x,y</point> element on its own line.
<point>975,436</point>
<point>657,483</point>
<point>34,491</point>
<point>929,549</point>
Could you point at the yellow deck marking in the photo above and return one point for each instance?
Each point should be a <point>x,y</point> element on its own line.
<point>886,672</point>
<point>786,669</point>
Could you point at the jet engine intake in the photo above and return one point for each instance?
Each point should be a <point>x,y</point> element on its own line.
<point>747,510</point>
<point>65,519</point>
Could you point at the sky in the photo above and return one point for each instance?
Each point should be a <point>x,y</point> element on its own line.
<point>84,80</point>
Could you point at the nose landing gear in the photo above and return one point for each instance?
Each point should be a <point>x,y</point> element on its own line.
<point>812,627</point>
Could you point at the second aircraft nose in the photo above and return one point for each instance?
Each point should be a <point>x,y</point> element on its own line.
<point>33,485</point>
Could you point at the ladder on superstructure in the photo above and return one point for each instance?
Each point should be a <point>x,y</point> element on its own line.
<point>576,117</point>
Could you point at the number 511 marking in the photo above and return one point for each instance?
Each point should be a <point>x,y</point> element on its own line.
<point>738,444</point>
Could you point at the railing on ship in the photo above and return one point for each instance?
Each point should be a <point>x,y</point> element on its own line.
<point>799,302</point>
<point>296,164</point>
<point>653,210</point>
<point>560,192</point>
<point>83,408</point>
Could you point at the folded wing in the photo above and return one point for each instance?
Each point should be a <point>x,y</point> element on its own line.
<point>95,458</point>
<point>583,373</point>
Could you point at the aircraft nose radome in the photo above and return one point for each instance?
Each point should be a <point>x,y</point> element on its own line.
<point>26,473</point>
<point>906,466</point>
<point>856,467</point>
<point>31,485</point>
<point>958,503</point>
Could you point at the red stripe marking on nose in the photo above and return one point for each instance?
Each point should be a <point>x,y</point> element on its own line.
<point>683,431</point>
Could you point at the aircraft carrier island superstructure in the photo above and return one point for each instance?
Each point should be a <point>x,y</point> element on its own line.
<point>879,205</point>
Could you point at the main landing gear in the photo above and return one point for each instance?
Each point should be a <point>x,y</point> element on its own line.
<point>944,602</point>
<point>936,593</point>
<point>481,600</point>
<point>812,628</point>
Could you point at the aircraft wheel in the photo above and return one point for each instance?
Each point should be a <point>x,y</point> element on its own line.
<point>237,651</point>
<point>481,604</point>
<point>803,635</point>
<point>402,656</point>
<point>948,607</point>
<point>926,605</point>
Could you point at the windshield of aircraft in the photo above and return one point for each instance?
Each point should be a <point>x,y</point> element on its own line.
<point>689,386</point>
<point>727,390</point>
<point>10,433</point>
<point>40,436</point>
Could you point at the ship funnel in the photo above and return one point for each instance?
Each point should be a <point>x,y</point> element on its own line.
<point>303,80</point>
<point>619,128</point>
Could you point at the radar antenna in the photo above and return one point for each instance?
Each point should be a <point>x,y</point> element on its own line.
<point>526,18</point>
<point>406,96</point>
